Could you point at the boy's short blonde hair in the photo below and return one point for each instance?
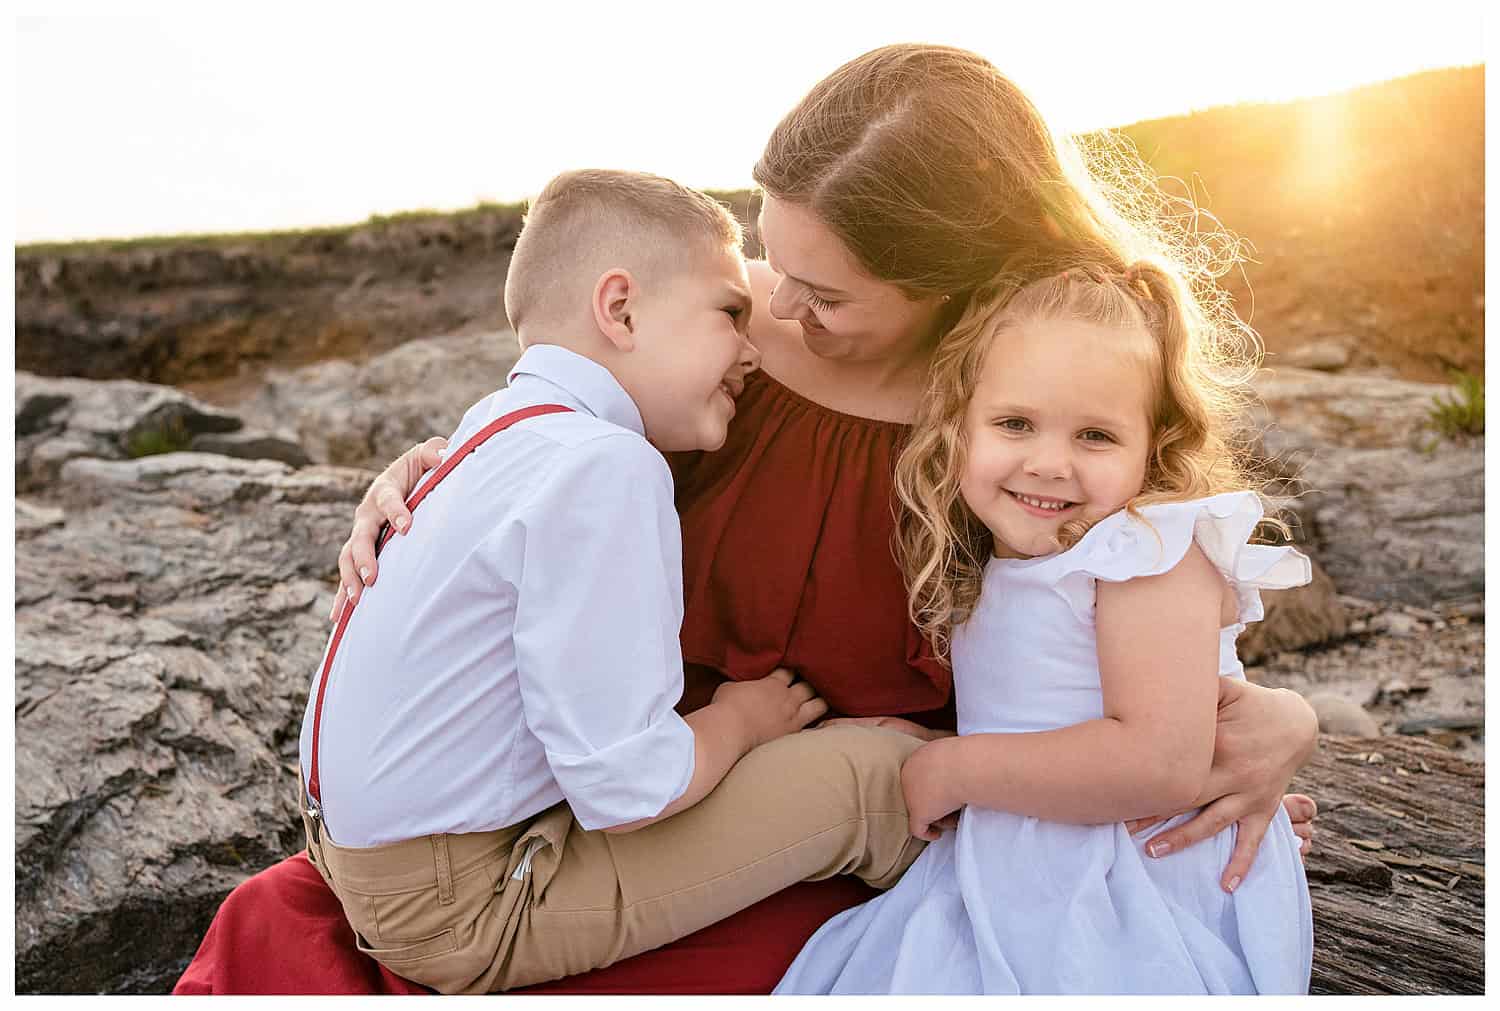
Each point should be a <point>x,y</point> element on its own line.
<point>588,221</point>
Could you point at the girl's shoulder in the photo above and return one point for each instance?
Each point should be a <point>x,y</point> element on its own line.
<point>1154,540</point>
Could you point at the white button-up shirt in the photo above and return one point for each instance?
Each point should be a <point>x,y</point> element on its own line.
<point>521,645</point>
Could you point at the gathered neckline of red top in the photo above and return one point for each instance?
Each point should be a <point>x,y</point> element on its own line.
<point>762,376</point>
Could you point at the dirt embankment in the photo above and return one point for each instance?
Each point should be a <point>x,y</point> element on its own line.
<point>1365,213</point>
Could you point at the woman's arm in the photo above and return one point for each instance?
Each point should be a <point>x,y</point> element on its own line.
<point>384,502</point>
<point>1262,738</point>
<point>1158,640</point>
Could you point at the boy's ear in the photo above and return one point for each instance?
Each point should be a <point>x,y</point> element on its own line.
<point>615,295</point>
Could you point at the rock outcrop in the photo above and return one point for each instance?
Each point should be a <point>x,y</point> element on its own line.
<point>58,420</point>
<point>1391,509</point>
<point>367,414</point>
<point>215,308</point>
<point>169,611</point>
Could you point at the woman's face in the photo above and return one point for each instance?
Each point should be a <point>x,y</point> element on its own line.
<point>845,314</point>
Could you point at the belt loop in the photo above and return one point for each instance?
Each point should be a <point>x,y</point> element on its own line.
<point>444,869</point>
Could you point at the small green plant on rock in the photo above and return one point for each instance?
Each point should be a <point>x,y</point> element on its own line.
<point>170,435</point>
<point>1461,412</point>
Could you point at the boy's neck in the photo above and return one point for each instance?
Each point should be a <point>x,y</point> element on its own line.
<point>595,349</point>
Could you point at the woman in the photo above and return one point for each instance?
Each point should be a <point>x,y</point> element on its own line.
<point>897,186</point>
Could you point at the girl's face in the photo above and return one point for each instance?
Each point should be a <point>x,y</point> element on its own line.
<point>1057,430</point>
<point>845,314</point>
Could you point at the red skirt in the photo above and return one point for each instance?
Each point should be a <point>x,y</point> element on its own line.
<point>283,932</point>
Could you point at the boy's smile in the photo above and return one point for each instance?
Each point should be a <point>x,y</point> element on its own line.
<point>1056,430</point>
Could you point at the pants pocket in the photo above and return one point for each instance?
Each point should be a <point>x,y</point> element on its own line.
<point>394,953</point>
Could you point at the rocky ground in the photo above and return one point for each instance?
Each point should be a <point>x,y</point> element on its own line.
<point>1408,671</point>
<point>170,607</point>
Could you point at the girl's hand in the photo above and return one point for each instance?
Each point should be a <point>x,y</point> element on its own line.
<point>926,782</point>
<point>1263,737</point>
<point>384,502</point>
<point>895,723</point>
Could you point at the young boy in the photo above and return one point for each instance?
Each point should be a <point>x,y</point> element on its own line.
<point>496,784</point>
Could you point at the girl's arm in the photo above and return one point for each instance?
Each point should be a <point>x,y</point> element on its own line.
<point>1158,642</point>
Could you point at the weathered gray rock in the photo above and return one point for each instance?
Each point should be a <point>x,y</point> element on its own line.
<point>365,415</point>
<point>170,610</point>
<point>1302,616</point>
<point>1391,510</point>
<point>1328,355</point>
<point>169,613</point>
<point>1340,716</point>
<point>252,446</point>
<point>58,420</point>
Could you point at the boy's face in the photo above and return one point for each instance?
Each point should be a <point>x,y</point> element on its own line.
<point>691,355</point>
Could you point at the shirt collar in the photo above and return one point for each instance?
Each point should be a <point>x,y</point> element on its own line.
<point>590,383</point>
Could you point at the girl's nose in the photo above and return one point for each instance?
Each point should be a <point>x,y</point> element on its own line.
<point>1049,461</point>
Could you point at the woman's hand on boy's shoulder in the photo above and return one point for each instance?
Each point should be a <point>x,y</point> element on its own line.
<point>384,502</point>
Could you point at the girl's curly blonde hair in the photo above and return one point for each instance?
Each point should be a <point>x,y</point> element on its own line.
<point>1197,390</point>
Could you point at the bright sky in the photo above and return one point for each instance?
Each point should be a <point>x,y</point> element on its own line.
<point>291,117</point>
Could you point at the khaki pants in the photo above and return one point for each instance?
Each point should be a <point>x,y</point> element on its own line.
<point>487,911</point>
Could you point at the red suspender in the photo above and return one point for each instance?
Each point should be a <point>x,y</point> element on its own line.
<point>498,425</point>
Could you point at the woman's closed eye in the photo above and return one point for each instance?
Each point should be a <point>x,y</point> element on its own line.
<point>821,304</point>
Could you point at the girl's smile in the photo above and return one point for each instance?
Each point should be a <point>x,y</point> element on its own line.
<point>1041,505</point>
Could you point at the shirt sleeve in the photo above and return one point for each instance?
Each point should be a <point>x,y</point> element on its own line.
<point>598,621</point>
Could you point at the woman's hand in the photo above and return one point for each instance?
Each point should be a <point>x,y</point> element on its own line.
<point>926,782</point>
<point>384,502</point>
<point>895,723</point>
<point>1263,737</point>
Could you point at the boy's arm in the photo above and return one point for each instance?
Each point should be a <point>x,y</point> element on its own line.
<point>742,716</point>
<point>1158,641</point>
<point>598,655</point>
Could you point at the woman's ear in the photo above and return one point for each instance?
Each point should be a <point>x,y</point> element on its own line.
<point>615,294</point>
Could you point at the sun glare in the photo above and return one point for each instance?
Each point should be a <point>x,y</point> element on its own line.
<point>1322,148</point>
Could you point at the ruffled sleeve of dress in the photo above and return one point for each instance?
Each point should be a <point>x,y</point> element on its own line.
<point>1152,541</point>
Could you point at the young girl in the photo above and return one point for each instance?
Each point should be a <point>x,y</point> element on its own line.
<point>1075,534</point>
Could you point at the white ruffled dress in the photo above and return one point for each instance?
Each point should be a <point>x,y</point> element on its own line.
<point>1012,904</point>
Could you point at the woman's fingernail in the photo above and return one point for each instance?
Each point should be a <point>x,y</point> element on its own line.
<point>1159,848</point>
<point>401,525</point>
<point>1234,883</point>
<point>364,573</point>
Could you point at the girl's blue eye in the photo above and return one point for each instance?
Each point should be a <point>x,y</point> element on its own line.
<point>820,303</point>
<point>1096,435</point>
<point>1014,424</point>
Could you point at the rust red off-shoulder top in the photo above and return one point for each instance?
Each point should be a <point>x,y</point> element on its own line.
<point>788,559</point>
